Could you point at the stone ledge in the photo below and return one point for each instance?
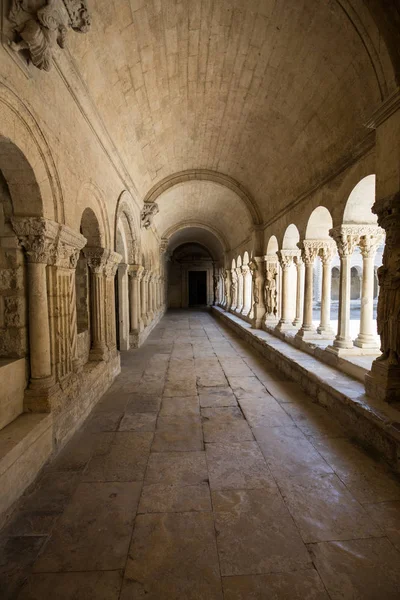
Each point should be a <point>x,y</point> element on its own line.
<point>25,446</point>
<point>137,339</point>
<point>373,423</point>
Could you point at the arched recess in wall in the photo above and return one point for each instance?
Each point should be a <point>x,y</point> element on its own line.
<point>89,196</point>
<point>182,225</point>
<point>20,130</point>
<point>20,195</point>
<point>125,219</point>
<point>90,228</point>
<point>272,246</point>
<point>319,224</point>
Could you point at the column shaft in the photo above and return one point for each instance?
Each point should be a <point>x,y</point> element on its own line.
<point>39,328</point>
<point>299,292</point>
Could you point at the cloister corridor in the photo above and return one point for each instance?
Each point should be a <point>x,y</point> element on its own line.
<point>204,473</point>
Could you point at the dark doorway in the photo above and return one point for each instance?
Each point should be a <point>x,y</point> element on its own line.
<point>197,288</point>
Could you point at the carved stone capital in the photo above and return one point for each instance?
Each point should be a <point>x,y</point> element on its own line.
<point>327,251</point>
<point>388,213</point>
<point>309,250</point>
<point>96,259</point>
<point>149,210</point>
<point>286,258</point>
<point>111,264</point>
<point>369,243</point>
<point>135,271</point>
<point>48,242</point>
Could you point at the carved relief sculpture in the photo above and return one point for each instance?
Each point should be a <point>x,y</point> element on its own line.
<point>271,290</point>
<point>149,210</point>
<point>41,24</point>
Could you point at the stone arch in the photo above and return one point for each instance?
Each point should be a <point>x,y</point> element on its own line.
<point>90,228</point>
<point>42,185</point>
<point>90,197</point>
<point>246,258</point>
<point>187,224</point>
<point>272,246</point>
<point>207,175</point>
<point>124,217</point>
<point>319,224</point>
<point>291,238</point>
<point>359,203</point>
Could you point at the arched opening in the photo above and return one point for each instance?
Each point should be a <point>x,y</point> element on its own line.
<point>191,276</point>
<point>335,284</point>
<point>288,291</point>
<point>19,196</point>
<point>90,229</point>
<point>359,307</point>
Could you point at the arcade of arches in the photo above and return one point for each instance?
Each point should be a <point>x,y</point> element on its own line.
<point>200,220</point>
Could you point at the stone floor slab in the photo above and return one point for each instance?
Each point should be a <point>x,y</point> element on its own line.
<point>94,532</point>
<point>366,569</point>
<point>264,412</point>
<point>180,406</point>
<point>95,585</point>
<point>177,468</point>
<point>237,466</point>
<point>138,422</point>
<point>225,432</point>
<point>162,498</point>
<point>256,533</point>
<point>173,556</point>
<point>298,585</point>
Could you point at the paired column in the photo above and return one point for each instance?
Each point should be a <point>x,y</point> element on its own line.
<point>346,239</point>
<point>309,251</point>
<point>257,270</point>
<point>298,261</point>
<point>135,274</point>
<point>383,381</point>
<point>369,243</point>
<point>96,260</point>
<point>327,252</point>
<point>286,260</point>
<point>143,297</point>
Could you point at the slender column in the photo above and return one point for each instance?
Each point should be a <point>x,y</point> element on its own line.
<point>110,270</point>
<point>149,303</point>
<point>327,252</point>
<point>309,252</point>
<point>383,381</point>
<point>39,330</point>
<point>239,304</point>
<point>286,260</point>
<point>346,240</point>
<point>247,300</point>
<point>367,338</point>
<point>228,289</point>
<point>135,273</point>
<point>257,270</point>
<point>299,291</point>
<point>234,290</point>
<point>96,260</point>
<point>143,297</point>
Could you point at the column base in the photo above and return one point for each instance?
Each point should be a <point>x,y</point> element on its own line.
<point>39,395</point>
<point>307,334</point>
<point>97,354</point>
<point>326,332</point>
<point>367,341</point>
<point>297,323</point>
<point>383,381</point>
<point>284,326</point>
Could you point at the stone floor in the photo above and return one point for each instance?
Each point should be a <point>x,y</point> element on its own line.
<point>204,474</point>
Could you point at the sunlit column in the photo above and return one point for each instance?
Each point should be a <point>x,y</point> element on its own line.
<point>309,252</point>
<point>285,260</point>
<point>346,240</point>
<point>300,291</point>
<point>367,338</point>
<point>327,252</point>
<point>258,278</point>
<point>246,290</point>
<point>239,276</point>
<point>234,290</point>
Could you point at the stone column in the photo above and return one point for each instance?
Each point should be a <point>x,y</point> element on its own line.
<point>309,252</point>
<point>369,243</point>
<point>383,381</point>
<point>239,302</point>
<point>135,274</point>
<point>247,300</point>
<point>234,290</point>
<point>299,291</point>
<point>110,270</point>
<point>346,238</point>
<point>327,252</point>
<point>149,283</point>
<point>227,285</point>
<point>257,270</point>
<point>143,297</point>
<point>96,260</point>
<point>286,260</point>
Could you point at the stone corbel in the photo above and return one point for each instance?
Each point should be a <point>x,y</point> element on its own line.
<point>148,212</point>
<point>41,25</point>
<point>111,264</point>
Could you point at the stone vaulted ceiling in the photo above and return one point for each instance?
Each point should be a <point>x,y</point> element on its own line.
<point>271,93</point>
